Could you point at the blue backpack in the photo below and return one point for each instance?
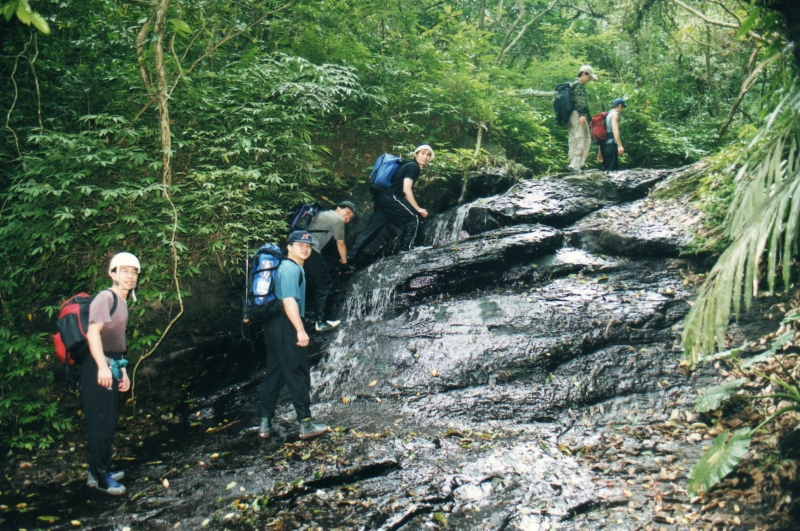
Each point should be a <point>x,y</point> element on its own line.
<point>563,103</point>
<point>260,303</point>
<point>382,172</point>
<point>260,291</point>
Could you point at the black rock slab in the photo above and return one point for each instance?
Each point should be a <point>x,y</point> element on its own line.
<point>475,263</point>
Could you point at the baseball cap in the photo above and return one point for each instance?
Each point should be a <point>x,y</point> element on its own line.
<point>619,101</point>
<point>302,236</point>
<point>589,70</point>
<point>348,204</point>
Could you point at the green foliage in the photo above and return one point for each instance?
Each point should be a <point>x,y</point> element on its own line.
<point>762,219</point>
<point>269,106</point>
<point>26,15</point>
<point>28,413</point>
<point>713,397</point>
<point>723,456</point>
<point>718,461</point>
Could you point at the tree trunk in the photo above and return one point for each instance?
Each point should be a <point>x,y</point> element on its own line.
<point>709,74</point>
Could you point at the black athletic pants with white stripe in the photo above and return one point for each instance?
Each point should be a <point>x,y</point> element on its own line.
<point>388,207</point>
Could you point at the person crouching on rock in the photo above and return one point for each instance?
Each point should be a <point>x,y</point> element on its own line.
<point>397,203</point>
<point>100,387</point>
<point>327,225</point>
<point>286,340</point>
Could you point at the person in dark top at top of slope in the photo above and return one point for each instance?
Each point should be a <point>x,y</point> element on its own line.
<point>397,203</point>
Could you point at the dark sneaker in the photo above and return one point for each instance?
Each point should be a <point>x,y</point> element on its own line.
<point>113,487</point>
<point>323,326</point>
<point>309,430</point>
<point>92,482</point>
<point>266,429</point>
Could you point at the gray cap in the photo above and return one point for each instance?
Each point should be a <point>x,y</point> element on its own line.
<point>348,204</point>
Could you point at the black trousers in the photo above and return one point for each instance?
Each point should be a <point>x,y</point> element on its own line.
<point>101,409</point>
<point>610,156</point>
<point>319,283</point>
<point>287,364</point>
<point>388,207</point>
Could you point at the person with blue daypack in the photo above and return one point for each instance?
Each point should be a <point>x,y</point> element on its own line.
<point>103,374</point>
<point>286,340</point>
<point>611,149</point>
<point>397,203</point>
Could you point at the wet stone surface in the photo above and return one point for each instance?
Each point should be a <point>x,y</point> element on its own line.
<point>504,382</point>
<point>412,276</point>
<point>558,201</point>
<point>648,227</point>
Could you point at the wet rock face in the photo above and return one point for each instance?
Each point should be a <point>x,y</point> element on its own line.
<point>522,352</point>
<point>647,227</point>
<point>421,273</point>
<point>488,182</point>
<point>467,386</point>
<point>558,202</point>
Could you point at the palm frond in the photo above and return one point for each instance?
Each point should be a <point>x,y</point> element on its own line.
<point>762,219</point>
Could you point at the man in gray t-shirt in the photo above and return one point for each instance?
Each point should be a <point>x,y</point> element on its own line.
<point>325,226</point>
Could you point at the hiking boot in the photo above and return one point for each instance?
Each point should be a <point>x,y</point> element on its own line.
<point>309,430</point>
<point>113,487</point>
<point>266,429</point>
<point>325,326</point>
<point>92,482</point>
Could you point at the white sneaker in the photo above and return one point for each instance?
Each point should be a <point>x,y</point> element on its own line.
<point>334,324</point>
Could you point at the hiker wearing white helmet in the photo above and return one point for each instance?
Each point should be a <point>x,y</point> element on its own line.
<point>103,374</point>
<point>397,203</point>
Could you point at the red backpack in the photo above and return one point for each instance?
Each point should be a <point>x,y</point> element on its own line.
<point>70,341</point>
<point>597,128</point>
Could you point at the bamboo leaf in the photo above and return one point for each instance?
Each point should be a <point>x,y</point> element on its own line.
<point>713,397</point>
<point>718,461</point>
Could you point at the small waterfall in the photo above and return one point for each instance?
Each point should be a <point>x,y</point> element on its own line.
<point>447,229</point>
<point>369,304</point>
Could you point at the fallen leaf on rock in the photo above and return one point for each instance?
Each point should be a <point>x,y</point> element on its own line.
<point>75,523</point>
<point>228,517</point>
<point>345,400</point>
<point>213,456</point>
<point>230,485</point>
<point>25,464</point>
<point>434,372</point>
<point>165,483</point>
<point>373,383</point>
<point>205,522</point>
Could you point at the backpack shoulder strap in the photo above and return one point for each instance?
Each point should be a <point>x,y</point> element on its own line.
<point>114,305</point>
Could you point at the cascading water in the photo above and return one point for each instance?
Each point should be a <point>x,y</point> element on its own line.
<point>448,227</point>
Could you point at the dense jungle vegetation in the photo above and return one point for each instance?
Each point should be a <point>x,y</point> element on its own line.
<point>180,129</point>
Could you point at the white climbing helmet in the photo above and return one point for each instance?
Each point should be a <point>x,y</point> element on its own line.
<point>124,259</point>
